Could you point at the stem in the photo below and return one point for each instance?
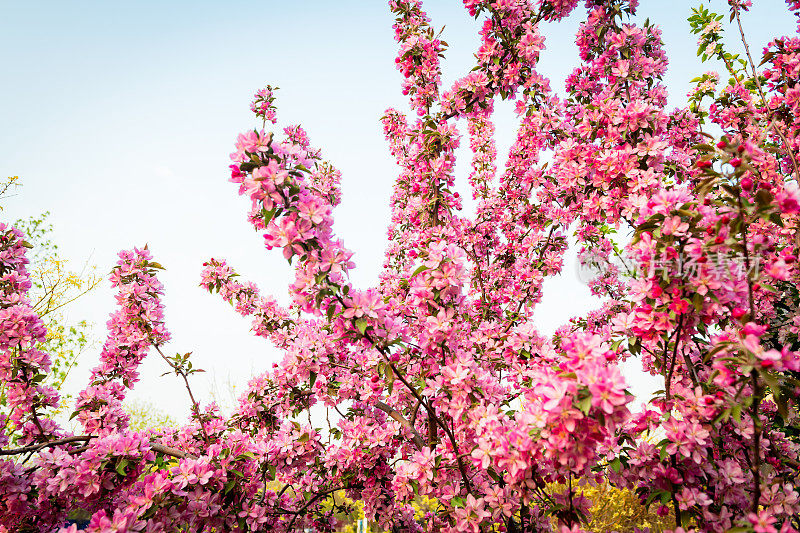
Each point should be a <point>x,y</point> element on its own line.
<point>414,413</point>
<point>528,290</point>
<point>690,367</point>
<point>431,431</point>
<point>396,415</point>
<point>432,416</point>
<point>159,448</point>
<point>757,390</point>
<point>37,447</point>
<point>195,406</point>
<point>524,513</point>
<point>431,412</point>
<point>571,504</point>
<point>761,93</point>
<point>34,416</point>
<point>675,505</point>
<point>756,441</point>
<point>168,450</point>
<point>750,297</point>
<point>674,355</point>
<point>307,505</point>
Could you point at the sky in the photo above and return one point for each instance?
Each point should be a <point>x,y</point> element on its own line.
<point>119,118</point>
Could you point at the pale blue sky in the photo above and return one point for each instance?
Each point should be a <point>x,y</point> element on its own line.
<point>119,118</point>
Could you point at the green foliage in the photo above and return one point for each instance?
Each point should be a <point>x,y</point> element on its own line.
<point>7,185</point>
<point>54,286</point>
<point>144,415</point>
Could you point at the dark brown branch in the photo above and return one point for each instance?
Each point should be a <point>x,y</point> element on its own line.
<point>674,497</point>
<point>414,413</point>
<point>168,450</point>
<point>37,447</point>
<point>156,447</point>
<point>396,415</point>
<point>791,462</point>
<point>307,505</point>
<point>34,415</point>
<point>432,416</point>
<point>756,441</point>
<point>461,467</point>
<point>757,390</point>
<point>671,368</point>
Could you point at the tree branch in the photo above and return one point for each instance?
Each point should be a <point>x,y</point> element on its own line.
<point>37,447</point>
<point>195,406</point>
<point>763,96</point>
<point>396,415</point>
<point>156,447</point>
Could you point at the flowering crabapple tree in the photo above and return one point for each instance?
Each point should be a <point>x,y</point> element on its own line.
<point>438,381</point>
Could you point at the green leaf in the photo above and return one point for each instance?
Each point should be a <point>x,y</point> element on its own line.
<point>776,219</point>
<point>267,215</point>
<point>419,269</point>
<point>663,453</point>
<point>723,416</point>
<point>703,147</point>
<point>79,514</point>
<point>585,405</point>
<point>121,466</point>
<point>736,412</point>
<point>389,377</point>
<point>361,325</point>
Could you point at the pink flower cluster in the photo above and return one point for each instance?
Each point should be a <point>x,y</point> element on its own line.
<point>22,365</point>
<point>133,329</point>
<point>262,104</point>
<point>271,321</point>
<point>418,58</point>
<point>436,382</point>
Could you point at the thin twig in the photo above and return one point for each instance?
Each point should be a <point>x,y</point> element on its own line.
<point>763,96</point>
<point>195,406</point>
